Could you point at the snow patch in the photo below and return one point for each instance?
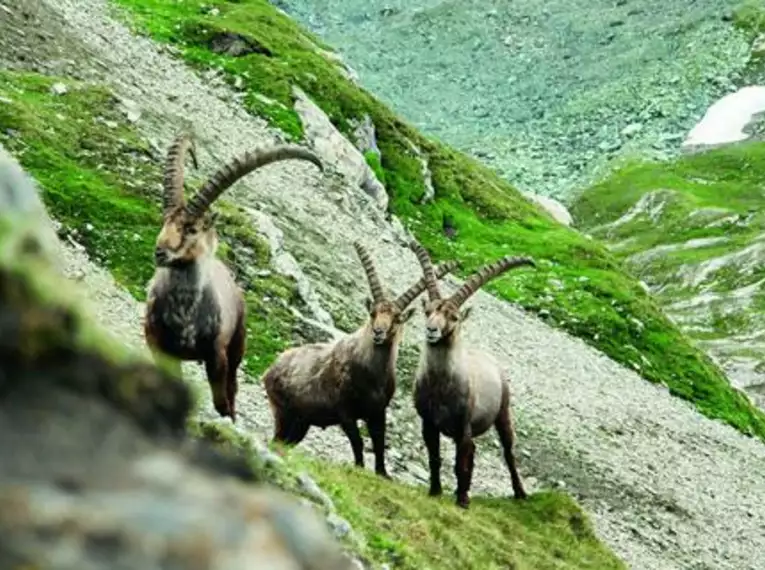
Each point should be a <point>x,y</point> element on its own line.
<point>725,121</point>
<point>556,209</point>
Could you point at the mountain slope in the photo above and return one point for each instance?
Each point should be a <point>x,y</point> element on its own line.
<point>581,287</point>
<point>545,91</point>
<point>664,486</point>
<point>692,229</point>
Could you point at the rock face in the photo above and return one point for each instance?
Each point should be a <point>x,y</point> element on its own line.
<point>703,264</point>
<point>334,148</point>
<point>96,472</point>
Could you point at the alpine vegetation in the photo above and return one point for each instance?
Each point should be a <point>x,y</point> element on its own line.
<point>459,391</point>
<point>354,378</point>
<point>195,310</point>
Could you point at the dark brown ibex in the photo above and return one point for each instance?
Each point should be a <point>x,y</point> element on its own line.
<point>460,391</point>
<point>195,310</point>
<point>354,378</point>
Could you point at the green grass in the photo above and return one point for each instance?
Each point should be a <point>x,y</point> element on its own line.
<point>725,182</point>
<point>405,528</point>
<point>102,182</point>
<point>580,287</point>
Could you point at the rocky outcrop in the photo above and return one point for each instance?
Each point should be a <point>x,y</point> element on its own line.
<point>338,151</point>
<point>97,469</point>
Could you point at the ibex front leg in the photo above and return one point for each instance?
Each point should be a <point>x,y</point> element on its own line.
<point>432,439</point>
<point>217,376</point>
<point>463,466</point>
<point>376,427</point>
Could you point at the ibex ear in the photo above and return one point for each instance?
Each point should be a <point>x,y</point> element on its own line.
<point>368,304</point>
<point>465,313</point>
<point>424,302</point>
<point>406,314</point>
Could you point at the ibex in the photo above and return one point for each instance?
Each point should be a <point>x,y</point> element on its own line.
<point>195,310</point>
<point>354,378</point>
<point>459,391</point>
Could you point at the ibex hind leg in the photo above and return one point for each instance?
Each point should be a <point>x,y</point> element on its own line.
<point>351,430</point>
<point>235,353</point>
<point>506,432</point>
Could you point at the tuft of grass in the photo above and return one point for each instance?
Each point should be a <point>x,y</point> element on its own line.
<point>102,182</point>
<point>579,286</point>
<point>403,527</point>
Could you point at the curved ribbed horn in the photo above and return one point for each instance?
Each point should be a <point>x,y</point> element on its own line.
<point>427,270</point>
<point>487,272</point>
<point>172,182</point>
<point>411,294</point>
<point>375,286</point>
<point>240,166</point>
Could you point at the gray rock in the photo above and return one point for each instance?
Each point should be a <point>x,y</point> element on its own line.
<point>338,151</point>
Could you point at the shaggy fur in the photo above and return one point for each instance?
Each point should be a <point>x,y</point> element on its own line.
<point>354,378</point>
<point>195,310</point>
<point>459,391</point>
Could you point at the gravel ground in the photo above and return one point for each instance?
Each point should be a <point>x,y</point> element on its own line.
<point>545,91</point>
<point>666,487</point>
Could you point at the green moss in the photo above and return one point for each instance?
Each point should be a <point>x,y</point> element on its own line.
<point>101,181</point>
<point>405,528</point>
<point>580,287</point>
<point>373,160</point>
<point>749,17</point>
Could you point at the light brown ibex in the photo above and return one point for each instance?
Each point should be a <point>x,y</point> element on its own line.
<point>194,309</point>
<point>354,378</point>
<point>459,391</point>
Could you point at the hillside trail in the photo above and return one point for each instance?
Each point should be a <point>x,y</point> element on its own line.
<point>666,487</point>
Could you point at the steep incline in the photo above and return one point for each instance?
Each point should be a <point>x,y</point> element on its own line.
<point>667,487</point>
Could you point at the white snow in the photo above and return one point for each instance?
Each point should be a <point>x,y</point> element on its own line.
<point>725,120</point>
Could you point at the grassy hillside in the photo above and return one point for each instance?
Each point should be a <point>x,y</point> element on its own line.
<point>94,171</point>
<point>403,527</point>
<point>692,229</point>
<point>581,287</point>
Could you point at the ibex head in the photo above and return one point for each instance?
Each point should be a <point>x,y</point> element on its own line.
<point>386,316</point>
<point>188,231</point>
<point>443,317</point>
